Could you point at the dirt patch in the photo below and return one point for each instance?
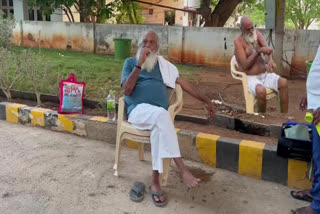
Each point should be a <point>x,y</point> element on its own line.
<point>202,174</point>
<point>197,172</point>
<point>220,84</point>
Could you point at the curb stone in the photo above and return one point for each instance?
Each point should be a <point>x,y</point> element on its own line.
<point>249,158</point>
<point>221,120</point>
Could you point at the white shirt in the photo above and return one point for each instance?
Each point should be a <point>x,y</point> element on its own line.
<point>313,80</point>
<point>313,83</point>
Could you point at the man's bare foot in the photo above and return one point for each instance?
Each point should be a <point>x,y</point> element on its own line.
<point>303,210</point>
<point>189,180</point>
<point>156,188</point>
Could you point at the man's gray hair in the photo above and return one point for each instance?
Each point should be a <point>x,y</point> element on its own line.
<point>140,42</point>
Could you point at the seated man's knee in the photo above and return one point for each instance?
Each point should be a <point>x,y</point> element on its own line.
<point>261,92</point>
<point>282,83</point>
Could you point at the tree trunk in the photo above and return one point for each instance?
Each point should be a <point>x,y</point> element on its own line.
<point>279,31</point>
<point>7,93</point>
<point>38,99</point>
<point>66,12</point>
<point>81,11</point>
<point>221,12</point>
<point>70,12</point>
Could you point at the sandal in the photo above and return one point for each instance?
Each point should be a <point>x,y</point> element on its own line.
<point>137,192</point>
<point>303,197</point>
<point>302,210</point>
<point>158,194</point>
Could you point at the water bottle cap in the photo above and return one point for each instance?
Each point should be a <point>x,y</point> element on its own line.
<point>309,117</point>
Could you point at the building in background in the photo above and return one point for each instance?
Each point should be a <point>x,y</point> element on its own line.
<point>21,10</point>
<point>171,12</point>
<point>156,12</point>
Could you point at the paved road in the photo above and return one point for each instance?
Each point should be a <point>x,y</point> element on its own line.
<point>42,171</point>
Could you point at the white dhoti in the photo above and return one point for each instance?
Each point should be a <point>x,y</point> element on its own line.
<point>268,80</point>
<point>164,140</point>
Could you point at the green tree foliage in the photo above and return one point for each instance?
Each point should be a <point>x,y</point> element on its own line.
<point>89,10</point>
<point>299,13</point>
<point>128,12</point>
<point>124,11</point>
<point>255,10</point>
<point>302,12</point>
<point>48,6</point>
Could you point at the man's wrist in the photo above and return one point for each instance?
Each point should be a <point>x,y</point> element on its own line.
<point>137,66</point>
<point>139,63</point>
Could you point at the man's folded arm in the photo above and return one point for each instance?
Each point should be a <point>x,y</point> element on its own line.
<point>245,62</point>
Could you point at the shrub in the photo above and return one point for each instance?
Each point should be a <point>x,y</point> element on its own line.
<point>6,26</point>
<point>10,70</point>
<point>37,71</point>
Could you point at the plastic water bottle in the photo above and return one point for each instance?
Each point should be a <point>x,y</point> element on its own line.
<point>111,106</point>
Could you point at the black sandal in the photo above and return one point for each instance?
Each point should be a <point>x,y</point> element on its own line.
<point>301,210</point>
<point>303,197</point>
<point>158,194</point>
<point>137,192</point>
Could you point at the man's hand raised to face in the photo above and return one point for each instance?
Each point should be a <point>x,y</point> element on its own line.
<point>143,55</point>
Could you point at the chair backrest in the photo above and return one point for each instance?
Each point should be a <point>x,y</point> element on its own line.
<point>234,69</point>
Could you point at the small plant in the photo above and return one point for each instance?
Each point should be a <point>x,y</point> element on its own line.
<point>6,26</point>
<point>55,79</point>
<point>37,72</point>
<point>102,102</point>
<point>10,70</point>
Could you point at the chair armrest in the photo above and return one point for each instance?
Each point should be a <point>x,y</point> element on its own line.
<point>177,105</point>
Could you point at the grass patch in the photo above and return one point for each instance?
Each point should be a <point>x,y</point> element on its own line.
<point>100,73</point>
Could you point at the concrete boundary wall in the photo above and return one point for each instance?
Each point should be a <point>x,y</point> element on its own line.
<point>55,35</point>
<point>105,33</point>
<point>249,158</point>
<point>191,45</point>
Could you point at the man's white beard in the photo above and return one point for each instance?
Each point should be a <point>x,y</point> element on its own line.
<point>150,62</point>
<point>251,39</point>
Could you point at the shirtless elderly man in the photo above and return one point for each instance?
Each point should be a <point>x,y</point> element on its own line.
<point>251,50</point>
<point>144,81</point>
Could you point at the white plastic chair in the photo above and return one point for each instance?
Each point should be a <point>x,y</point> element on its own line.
<point>250,98</point>
<point>127,131</point>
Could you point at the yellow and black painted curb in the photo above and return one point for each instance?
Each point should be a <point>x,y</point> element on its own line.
<point>250,158</point>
